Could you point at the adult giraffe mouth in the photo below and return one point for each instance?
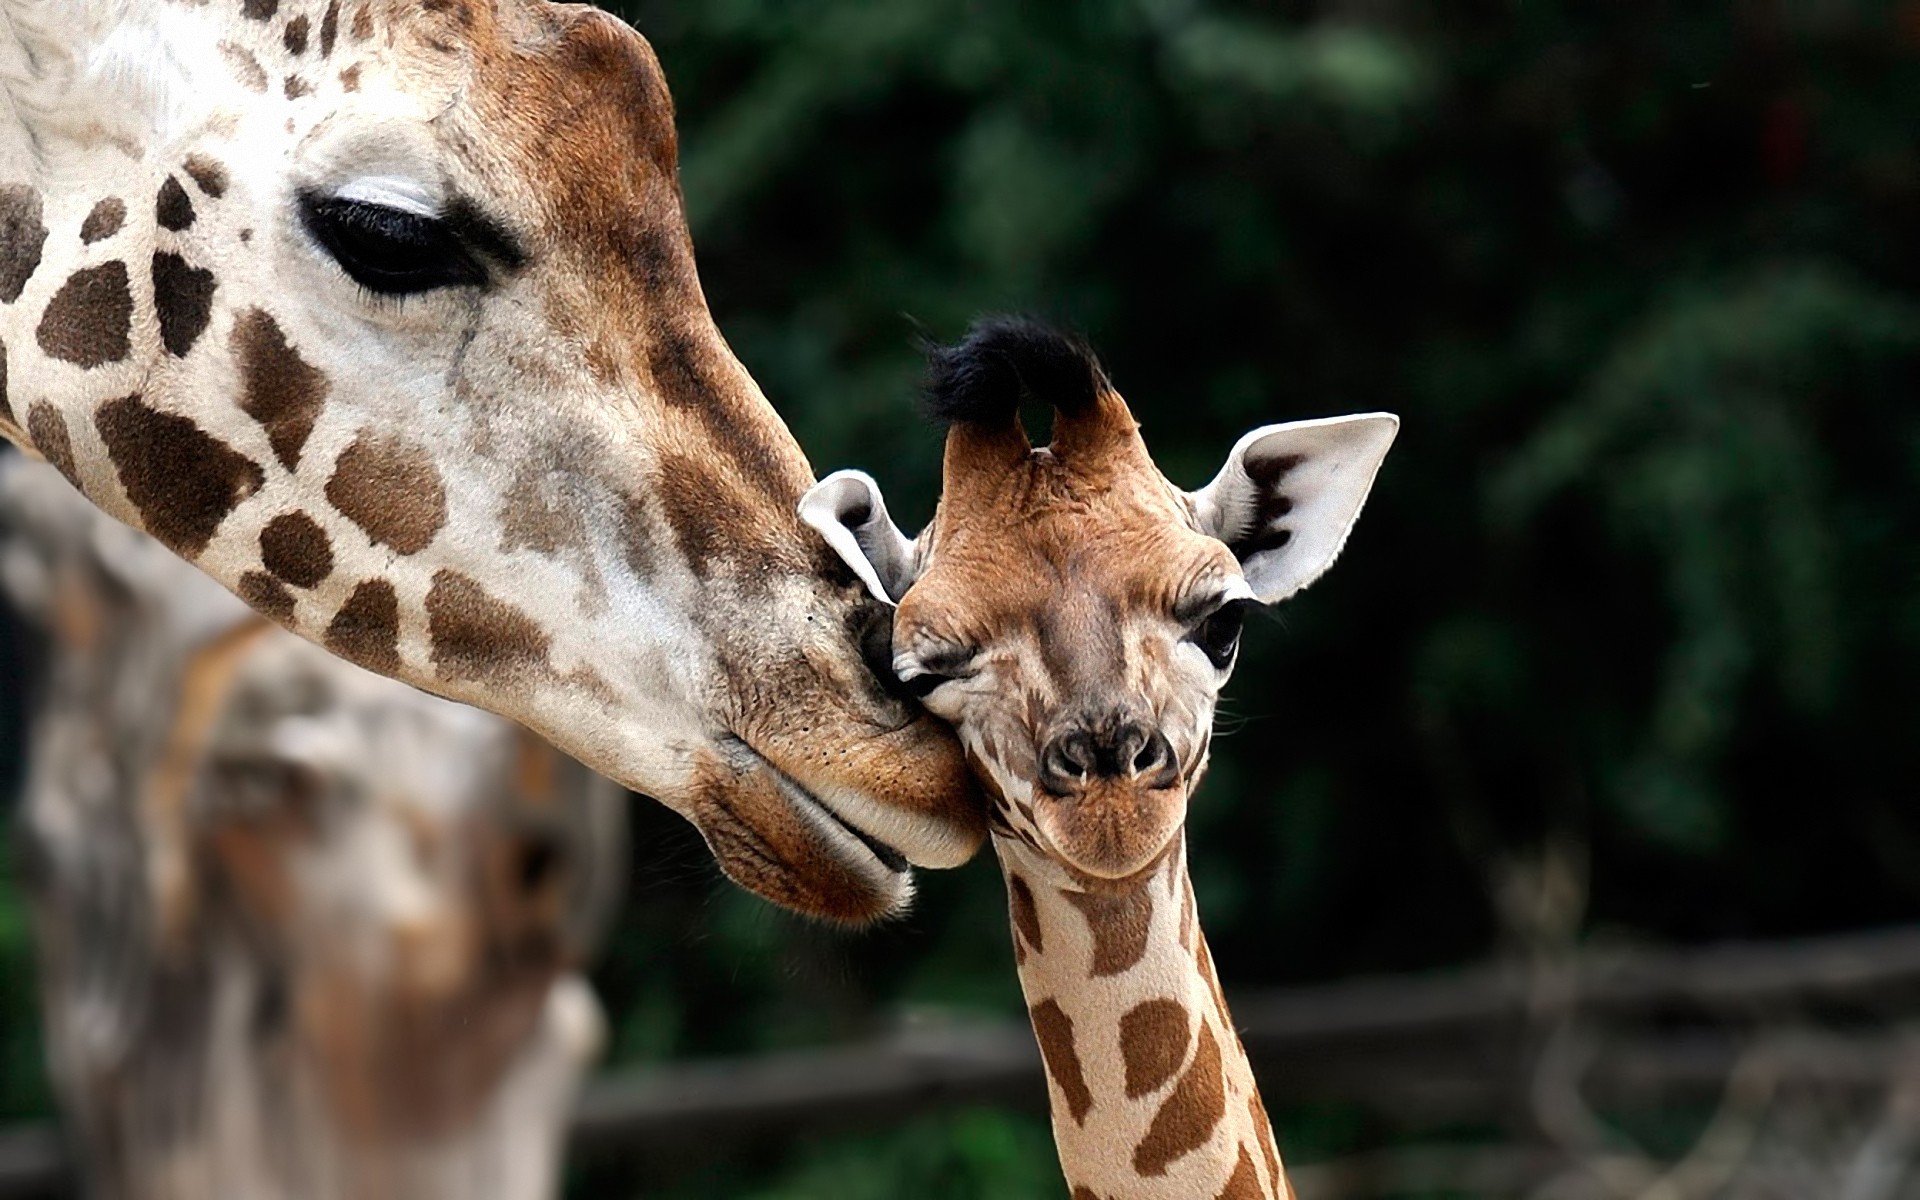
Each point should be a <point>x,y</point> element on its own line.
<point>839,825</point>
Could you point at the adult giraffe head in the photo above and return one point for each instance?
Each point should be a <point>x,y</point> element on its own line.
<point>384,313</point>
<point>1072,612</point>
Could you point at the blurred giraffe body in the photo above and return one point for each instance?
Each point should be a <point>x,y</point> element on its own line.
<point>1074,615</point>
<point>304,933</point>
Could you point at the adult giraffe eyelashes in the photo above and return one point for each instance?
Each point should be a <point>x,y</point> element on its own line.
<point>405,248</point>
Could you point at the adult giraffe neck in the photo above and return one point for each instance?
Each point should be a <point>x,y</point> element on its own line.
<point>1152,1096</point>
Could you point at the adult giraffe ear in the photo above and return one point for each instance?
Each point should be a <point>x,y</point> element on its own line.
<point>848,510</point>
<point>1289,495</point>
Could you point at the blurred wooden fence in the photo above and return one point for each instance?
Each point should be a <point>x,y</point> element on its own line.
<point>1448,1046</point>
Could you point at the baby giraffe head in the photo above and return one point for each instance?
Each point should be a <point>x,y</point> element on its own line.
<point>1071,612</point>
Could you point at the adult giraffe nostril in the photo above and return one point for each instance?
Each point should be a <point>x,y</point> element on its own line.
<point>1066,762</point>
<point>1154,764</point>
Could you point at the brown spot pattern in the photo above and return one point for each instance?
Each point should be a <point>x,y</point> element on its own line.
<point>329,28</point>
<point>389,487</point>
<point>173,208</point>
<point>1084,1193</point>
<point>181,479</point>
<point>297,87</point>
<point>478,637</point>
<point>362,23</point>
<point>6,400</point>
<point>366,630</point>
<point>104,220</point>
<point>1153,1043</point>
<point>267,596</point>
<point>1263,1129</point>
<point>294,37</point>
<point>278,388</point>
<point>23,235</point>
<point>295,548</point>
<point>89,319</point>
<point>1119,925</point>
<point>207,175</point>
<point>350,78</point>
<point>183,298</point>
<point>48,430</point>
<point>246,68</point>
<point>260,10</point>
<point>1190,1113</point>
<point>1026,917</point>
<point>1244,1183</point>
<point>1053,1029</point>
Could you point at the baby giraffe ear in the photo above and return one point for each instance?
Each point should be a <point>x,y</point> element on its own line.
<point>847,509</point>
<point>1289,495</point>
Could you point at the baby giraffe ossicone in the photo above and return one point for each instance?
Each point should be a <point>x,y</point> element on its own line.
<point>1074,615</point>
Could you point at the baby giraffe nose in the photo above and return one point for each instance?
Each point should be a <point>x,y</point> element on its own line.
<point>1116,748</point>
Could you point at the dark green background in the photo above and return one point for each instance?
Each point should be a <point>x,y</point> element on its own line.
<point>1639,580</point>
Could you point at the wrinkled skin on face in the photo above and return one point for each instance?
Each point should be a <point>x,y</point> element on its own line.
<point>385,314</point>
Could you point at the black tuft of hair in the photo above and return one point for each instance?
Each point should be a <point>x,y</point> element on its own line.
<point>1007,360</point>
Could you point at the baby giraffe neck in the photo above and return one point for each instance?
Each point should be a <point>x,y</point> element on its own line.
<point>1151,1092</point>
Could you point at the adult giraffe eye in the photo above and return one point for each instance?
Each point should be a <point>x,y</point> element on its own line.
<point>390,251</point>
<point>1218,636</point>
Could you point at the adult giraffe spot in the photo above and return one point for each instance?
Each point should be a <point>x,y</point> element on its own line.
<point>1257,1110</point>
<point>104,220</point>
<point>260,10</point>
<point>1084,1193</point>
<point>1119,925</point>
<point>1244,1183</point>
<point>1026,917</point>
<point>1053,1029</point>
<point>350,78</point>
<point>1189,1114</point>
<point>362,23</point>
<point>390,488</point>
<point>23,235</point>
<point>1153,1043</point>
<point>246,68</point>
<point>295,548</point>
<point>278,388</point>
<point>182,480</point>
<point>88,321</point>
<point>173,208</point>
<point>294,37</point>
<point>183,299</point>
<point>329,28</point>
<point>297,87</point>
<point>366,630</point>
<point>47,429</point>
<point>207,175</point>
<point>477,637</point>
<point>267,596</point>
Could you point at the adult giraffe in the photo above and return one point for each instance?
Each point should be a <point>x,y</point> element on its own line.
<point>1076,615</point>
<point>384,313</point>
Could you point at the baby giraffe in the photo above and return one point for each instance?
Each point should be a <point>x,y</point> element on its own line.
<point>1074,615</point>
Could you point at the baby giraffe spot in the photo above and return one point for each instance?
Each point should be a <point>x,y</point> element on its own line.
<point>350,79</point>
<point>1119,925</point>
<point>23,235</point>
<point>207,175</point>
<point>295,548</point>
<point>297,87</point>
<point>104,221</point>
<point>259,10</point>
<point>329,28</point>
<point>389,487</point>
<point>477,637</point>
<point>6,400</point>
<point>1190,1113</point>
<point>173,208</point>
<point>362,23</point>
<point>294,37</point>
<point>89,320</point>
<point>246,68</point>
<point>1153,1043</point>
<point>1244,1183</point>
<point>1082,1192</point>
<point>267,596</point>
<point>1026,917</point>
<point>278,388</point>
<point>183,299</point>
<point>366,630</point>
<point>1053,1029</point>
<point>181,479</point>
<point>50,436</point>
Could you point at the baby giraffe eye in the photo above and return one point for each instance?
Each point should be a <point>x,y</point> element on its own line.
<point>1218,635</point>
